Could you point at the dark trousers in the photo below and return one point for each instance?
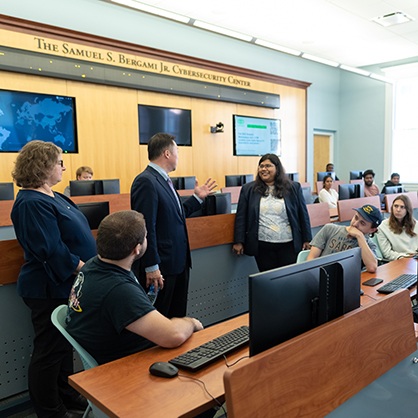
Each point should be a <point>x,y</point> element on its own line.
<point>51,362</point>
<point>273,255</point>
<point>172,299</point>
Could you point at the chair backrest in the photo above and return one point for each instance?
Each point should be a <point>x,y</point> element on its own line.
<point>235,192</point>
<point>58,319</point>
<point>302,256</point>
<point>346,207</point>
<point>318,214</point>
<point>390,198</point>
<point>379,254</point>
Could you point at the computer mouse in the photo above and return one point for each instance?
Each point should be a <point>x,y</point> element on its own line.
<point>163,369</point>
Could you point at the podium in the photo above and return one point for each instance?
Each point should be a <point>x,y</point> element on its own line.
<point>313,374</point>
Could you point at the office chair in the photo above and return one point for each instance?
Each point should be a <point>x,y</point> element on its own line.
<point>58,319</point>
<point>379,255</point>
<point>302,256</point>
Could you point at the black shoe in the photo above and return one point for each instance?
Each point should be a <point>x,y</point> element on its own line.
<point>77,404</point>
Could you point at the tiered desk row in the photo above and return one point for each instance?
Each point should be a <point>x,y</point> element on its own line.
<point>323,368</point>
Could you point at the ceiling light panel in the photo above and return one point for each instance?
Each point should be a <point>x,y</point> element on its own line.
<point>223,31</point>
<point>153,10</point>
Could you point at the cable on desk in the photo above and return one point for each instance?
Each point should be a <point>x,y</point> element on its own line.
<point>233,364</point>
<point>204,386</point>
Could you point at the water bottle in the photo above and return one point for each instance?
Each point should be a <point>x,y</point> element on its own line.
<point>152,294</point>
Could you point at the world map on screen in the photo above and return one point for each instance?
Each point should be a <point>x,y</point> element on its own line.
<point>25,117</point>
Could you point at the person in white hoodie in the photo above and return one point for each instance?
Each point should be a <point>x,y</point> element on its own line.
<point>398,235</point>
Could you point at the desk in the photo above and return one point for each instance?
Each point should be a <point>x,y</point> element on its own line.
<point>388,272</point>
<point>125,389</point>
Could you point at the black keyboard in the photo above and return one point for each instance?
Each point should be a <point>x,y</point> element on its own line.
<point>212,350</point>
<point>401,282</point>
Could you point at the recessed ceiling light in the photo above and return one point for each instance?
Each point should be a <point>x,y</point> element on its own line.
<point>385,79</point>
<point>320,60</point>
<point>355,70</point>
<point>391,19</point>
<point>223,31</point>
<point>153,10</point>
<point>277,47</point>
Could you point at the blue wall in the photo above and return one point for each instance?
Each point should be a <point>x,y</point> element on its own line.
<point>350,105</point>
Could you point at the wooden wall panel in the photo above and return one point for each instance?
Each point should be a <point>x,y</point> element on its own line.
<point>212,153</point>
<point>108,136</point>
<point>293,116</point>
<point>108,133</point>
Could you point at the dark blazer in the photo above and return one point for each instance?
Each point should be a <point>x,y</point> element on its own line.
<point>168,244</point>
<point>248,212</point>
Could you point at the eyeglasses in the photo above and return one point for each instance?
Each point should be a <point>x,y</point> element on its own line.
<point>261,166</point>
<point>61,163</point>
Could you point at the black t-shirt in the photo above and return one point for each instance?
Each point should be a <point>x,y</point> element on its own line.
<point>104,300</point>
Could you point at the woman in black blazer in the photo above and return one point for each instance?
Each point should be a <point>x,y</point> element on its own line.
<point>272,222</point>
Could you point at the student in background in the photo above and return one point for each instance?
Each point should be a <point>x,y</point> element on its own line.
<point>330,169</point>
<point>327,193</point>
<point>83,173</point>
<point>398,235</point>
<point>394,181</point>
<point>370,189</point>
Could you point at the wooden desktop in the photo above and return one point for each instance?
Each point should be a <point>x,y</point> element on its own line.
<point>125,389</point>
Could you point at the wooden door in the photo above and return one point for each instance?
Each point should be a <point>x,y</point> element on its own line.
<point>321,154</point>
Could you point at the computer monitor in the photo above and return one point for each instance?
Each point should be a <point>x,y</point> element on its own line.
<point>307,195</point>
<point>195,214</point>
<point>7,191</point>
<point>293,176</point>
<point>94,212</point>
<point>217,204</point>
<point>356,175</point>
<point>321,174</point>
<point>110,186</point>
<point>184,183</point>
<point>288,301</point>
<point>239,180</point>
<point>82,188</point>
<point>394,189</point>
<point>350,191</point>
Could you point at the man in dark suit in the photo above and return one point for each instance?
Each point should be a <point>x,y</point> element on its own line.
<point>167,260</point>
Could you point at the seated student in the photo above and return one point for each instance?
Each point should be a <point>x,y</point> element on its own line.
<point>370,189</point>
<point>109,313</point>
<point>83,173</point>
<point>394,181</point>
<point>398,235</point>
<point>328,194</point>
<point>330,169</point>
<point>335,238</point>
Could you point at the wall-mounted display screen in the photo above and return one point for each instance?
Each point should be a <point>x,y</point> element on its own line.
<point>256,136</point>
<point>177,122</point>
<point>27,116</point>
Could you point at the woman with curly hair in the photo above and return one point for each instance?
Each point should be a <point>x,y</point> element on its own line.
<point>272,222</point>
<point>57,240</point>
<point>398,235</point>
